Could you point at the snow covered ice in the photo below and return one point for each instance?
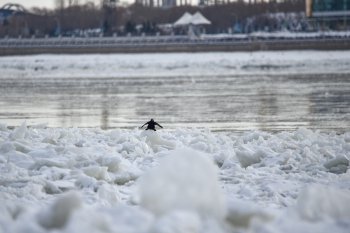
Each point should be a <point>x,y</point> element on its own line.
<point>174,64</point>
<point>172,181</point>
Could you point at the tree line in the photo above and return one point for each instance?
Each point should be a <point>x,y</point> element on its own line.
<point>71,17</point>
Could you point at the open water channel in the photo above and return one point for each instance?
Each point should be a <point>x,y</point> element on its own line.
<point>264,99</point>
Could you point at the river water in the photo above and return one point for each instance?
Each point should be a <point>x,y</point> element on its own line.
<point>33,90</point>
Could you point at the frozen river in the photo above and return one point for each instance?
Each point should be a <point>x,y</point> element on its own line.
<point>68,179</point>
<point>273,91</point>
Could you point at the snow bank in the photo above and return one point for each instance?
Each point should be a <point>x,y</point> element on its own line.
<point>186,180</point>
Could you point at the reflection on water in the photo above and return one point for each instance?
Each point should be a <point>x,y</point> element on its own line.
<point>242,102</point>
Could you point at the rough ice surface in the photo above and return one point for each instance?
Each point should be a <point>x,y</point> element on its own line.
<point>175,64</point>
<point>57,215</point>
<point>180,181</point>
<point>184,180</point>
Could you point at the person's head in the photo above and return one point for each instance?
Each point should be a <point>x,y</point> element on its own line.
<point>152,120</point>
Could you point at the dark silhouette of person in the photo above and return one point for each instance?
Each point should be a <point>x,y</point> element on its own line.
<point>151,125</point>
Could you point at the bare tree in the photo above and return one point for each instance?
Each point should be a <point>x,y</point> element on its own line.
<point>73,2</point>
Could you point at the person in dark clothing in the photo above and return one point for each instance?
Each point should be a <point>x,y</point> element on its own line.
<point>151,125</point>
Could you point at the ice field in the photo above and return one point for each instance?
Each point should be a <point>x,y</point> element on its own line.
<point>174,64</point>
<point>252,143</point>
<point>187,180</point>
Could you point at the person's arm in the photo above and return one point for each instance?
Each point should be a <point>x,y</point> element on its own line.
<point>144,125</point>
<point>159,125</point>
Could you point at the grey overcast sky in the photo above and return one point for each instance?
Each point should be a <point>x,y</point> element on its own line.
<point>39,3</point>
<point>30,3</point>
<point>51,3</point>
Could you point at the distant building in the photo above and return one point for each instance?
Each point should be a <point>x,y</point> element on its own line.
<point>16,21</point>
<point>13,20</point>
<point>213,2</point>
<point>328,8</point>
<point>159,3</point>
<point>331,13</point>
<point>9,10</point>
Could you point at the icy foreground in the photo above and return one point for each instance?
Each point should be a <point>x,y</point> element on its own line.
<point>187,180</point>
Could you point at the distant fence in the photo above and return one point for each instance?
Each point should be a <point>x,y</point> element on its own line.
<point>252,42</point>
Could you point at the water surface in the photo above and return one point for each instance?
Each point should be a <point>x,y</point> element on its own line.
<point>272,102</point>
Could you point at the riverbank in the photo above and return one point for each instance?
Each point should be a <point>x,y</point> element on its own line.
<point>164,45</point>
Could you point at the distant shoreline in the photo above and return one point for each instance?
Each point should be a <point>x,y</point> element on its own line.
<point>142,45</point>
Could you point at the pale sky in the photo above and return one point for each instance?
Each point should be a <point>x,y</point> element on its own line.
<point>30,3</point>
<point>49,3</point>
<point>39,3</point>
